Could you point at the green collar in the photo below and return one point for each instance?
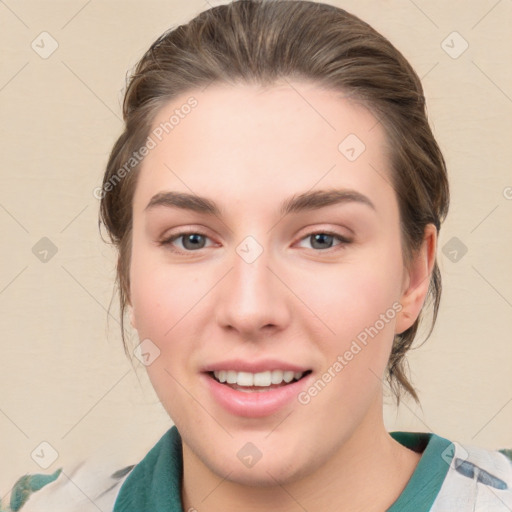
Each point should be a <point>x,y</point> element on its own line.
<point>428,477</point>
<point>154,485</point>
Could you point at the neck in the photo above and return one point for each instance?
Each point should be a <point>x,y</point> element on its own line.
<point>368,472</point>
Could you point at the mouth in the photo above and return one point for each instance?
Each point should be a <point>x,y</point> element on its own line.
<point>260,382</point>
<point>255,388</point>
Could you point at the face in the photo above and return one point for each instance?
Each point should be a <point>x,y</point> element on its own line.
<point>291,260</point>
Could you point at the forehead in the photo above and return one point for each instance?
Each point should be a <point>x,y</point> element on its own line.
<point>286,137</point>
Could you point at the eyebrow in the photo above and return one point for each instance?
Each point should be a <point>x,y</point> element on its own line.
<point>307,201</point>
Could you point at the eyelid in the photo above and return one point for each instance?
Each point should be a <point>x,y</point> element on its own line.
<point>327,229</point>
<point>343,240</point>
<point>166,240</point>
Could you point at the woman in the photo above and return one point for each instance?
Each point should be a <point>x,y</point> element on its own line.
<point>276,198</point>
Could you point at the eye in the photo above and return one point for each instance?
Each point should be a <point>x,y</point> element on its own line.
<point>322,240</point>
<point>191,241</point>
<point>195,240</point>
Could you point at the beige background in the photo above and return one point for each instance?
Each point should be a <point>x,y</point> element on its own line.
<point>64,378</point>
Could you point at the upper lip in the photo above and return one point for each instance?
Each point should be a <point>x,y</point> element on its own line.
<point>263,365</point>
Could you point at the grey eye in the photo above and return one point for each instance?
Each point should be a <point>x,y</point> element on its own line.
<point>320,239</point>
<point>193,241</point>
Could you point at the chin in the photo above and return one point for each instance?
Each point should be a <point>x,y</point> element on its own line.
<point>275,463</point>
<point>263,473</point>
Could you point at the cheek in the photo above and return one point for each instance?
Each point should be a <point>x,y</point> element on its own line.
<point>160,294</point>
<point>360,306</point>
<point>163,306</point>
<point>353,296</point>
<point>168,301</point>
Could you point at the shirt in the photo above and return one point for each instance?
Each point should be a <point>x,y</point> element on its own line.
<point>448,478</point>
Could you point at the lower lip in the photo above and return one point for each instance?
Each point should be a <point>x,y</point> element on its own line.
<point>254,404</point>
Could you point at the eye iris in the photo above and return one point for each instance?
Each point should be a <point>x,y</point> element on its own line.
<point>196,240</point>
<point>321,237</point>
<point>193,238</point>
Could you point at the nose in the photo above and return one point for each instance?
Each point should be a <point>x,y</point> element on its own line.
<point>252,299</point>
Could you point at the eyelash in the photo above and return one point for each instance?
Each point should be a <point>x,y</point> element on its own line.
<point>168,241</point>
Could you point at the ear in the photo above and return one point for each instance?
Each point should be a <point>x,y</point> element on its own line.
<point>417,280</point>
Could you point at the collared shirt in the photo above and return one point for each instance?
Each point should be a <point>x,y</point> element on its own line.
<point>448,478</point>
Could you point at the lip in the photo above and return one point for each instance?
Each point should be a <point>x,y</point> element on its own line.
<point>255,404</point>
<point>264,365</point>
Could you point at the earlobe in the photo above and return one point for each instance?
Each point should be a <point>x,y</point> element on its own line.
<point>417,280</point>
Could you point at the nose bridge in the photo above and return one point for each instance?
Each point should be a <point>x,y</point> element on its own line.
<point>252,297</point>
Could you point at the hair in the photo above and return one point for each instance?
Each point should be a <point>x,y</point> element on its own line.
<point>258,41</point>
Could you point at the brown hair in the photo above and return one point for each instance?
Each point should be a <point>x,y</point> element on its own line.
<point>254,41</point>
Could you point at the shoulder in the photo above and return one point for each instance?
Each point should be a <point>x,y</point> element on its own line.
<point>83,488</point>
<point>477,480</point>
<point>155,482</point>
<point>96,483</point>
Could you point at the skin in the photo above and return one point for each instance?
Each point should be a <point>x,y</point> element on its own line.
<point>249,148</point>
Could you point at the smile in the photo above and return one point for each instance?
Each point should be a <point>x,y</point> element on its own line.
<point>266,379</point>
<point>255,395</point>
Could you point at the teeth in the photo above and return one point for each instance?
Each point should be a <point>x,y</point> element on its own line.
<point>256,379</point>
<point>230,377</point>
<point>262,379</point>
<point>245,379</point>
